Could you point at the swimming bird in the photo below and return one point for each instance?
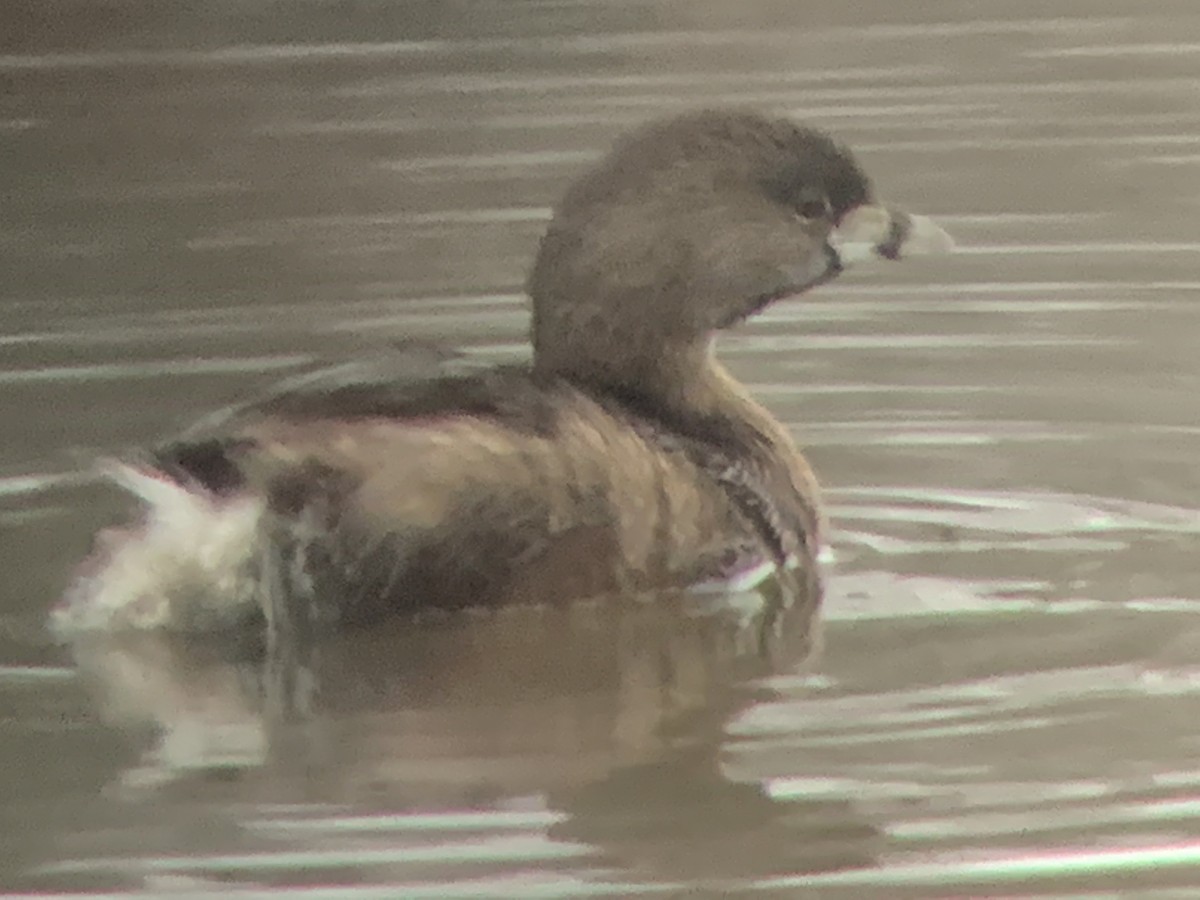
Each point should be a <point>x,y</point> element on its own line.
<point>624,458</point>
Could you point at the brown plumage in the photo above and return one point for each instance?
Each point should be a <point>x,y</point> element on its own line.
<point>625,458</point>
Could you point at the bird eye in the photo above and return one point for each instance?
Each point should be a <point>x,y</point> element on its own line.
<point>814,208</point>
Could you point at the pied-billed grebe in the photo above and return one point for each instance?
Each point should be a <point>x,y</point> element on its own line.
<point>625,458</point>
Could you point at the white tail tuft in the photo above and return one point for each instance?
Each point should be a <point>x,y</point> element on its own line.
<point>186,565</point>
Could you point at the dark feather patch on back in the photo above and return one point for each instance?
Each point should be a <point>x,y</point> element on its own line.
<point>208,463</point>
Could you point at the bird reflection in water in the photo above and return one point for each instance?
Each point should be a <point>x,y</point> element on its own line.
<point>610,715</point>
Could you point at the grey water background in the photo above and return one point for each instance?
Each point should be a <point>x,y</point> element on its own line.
<point>197,198</point>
